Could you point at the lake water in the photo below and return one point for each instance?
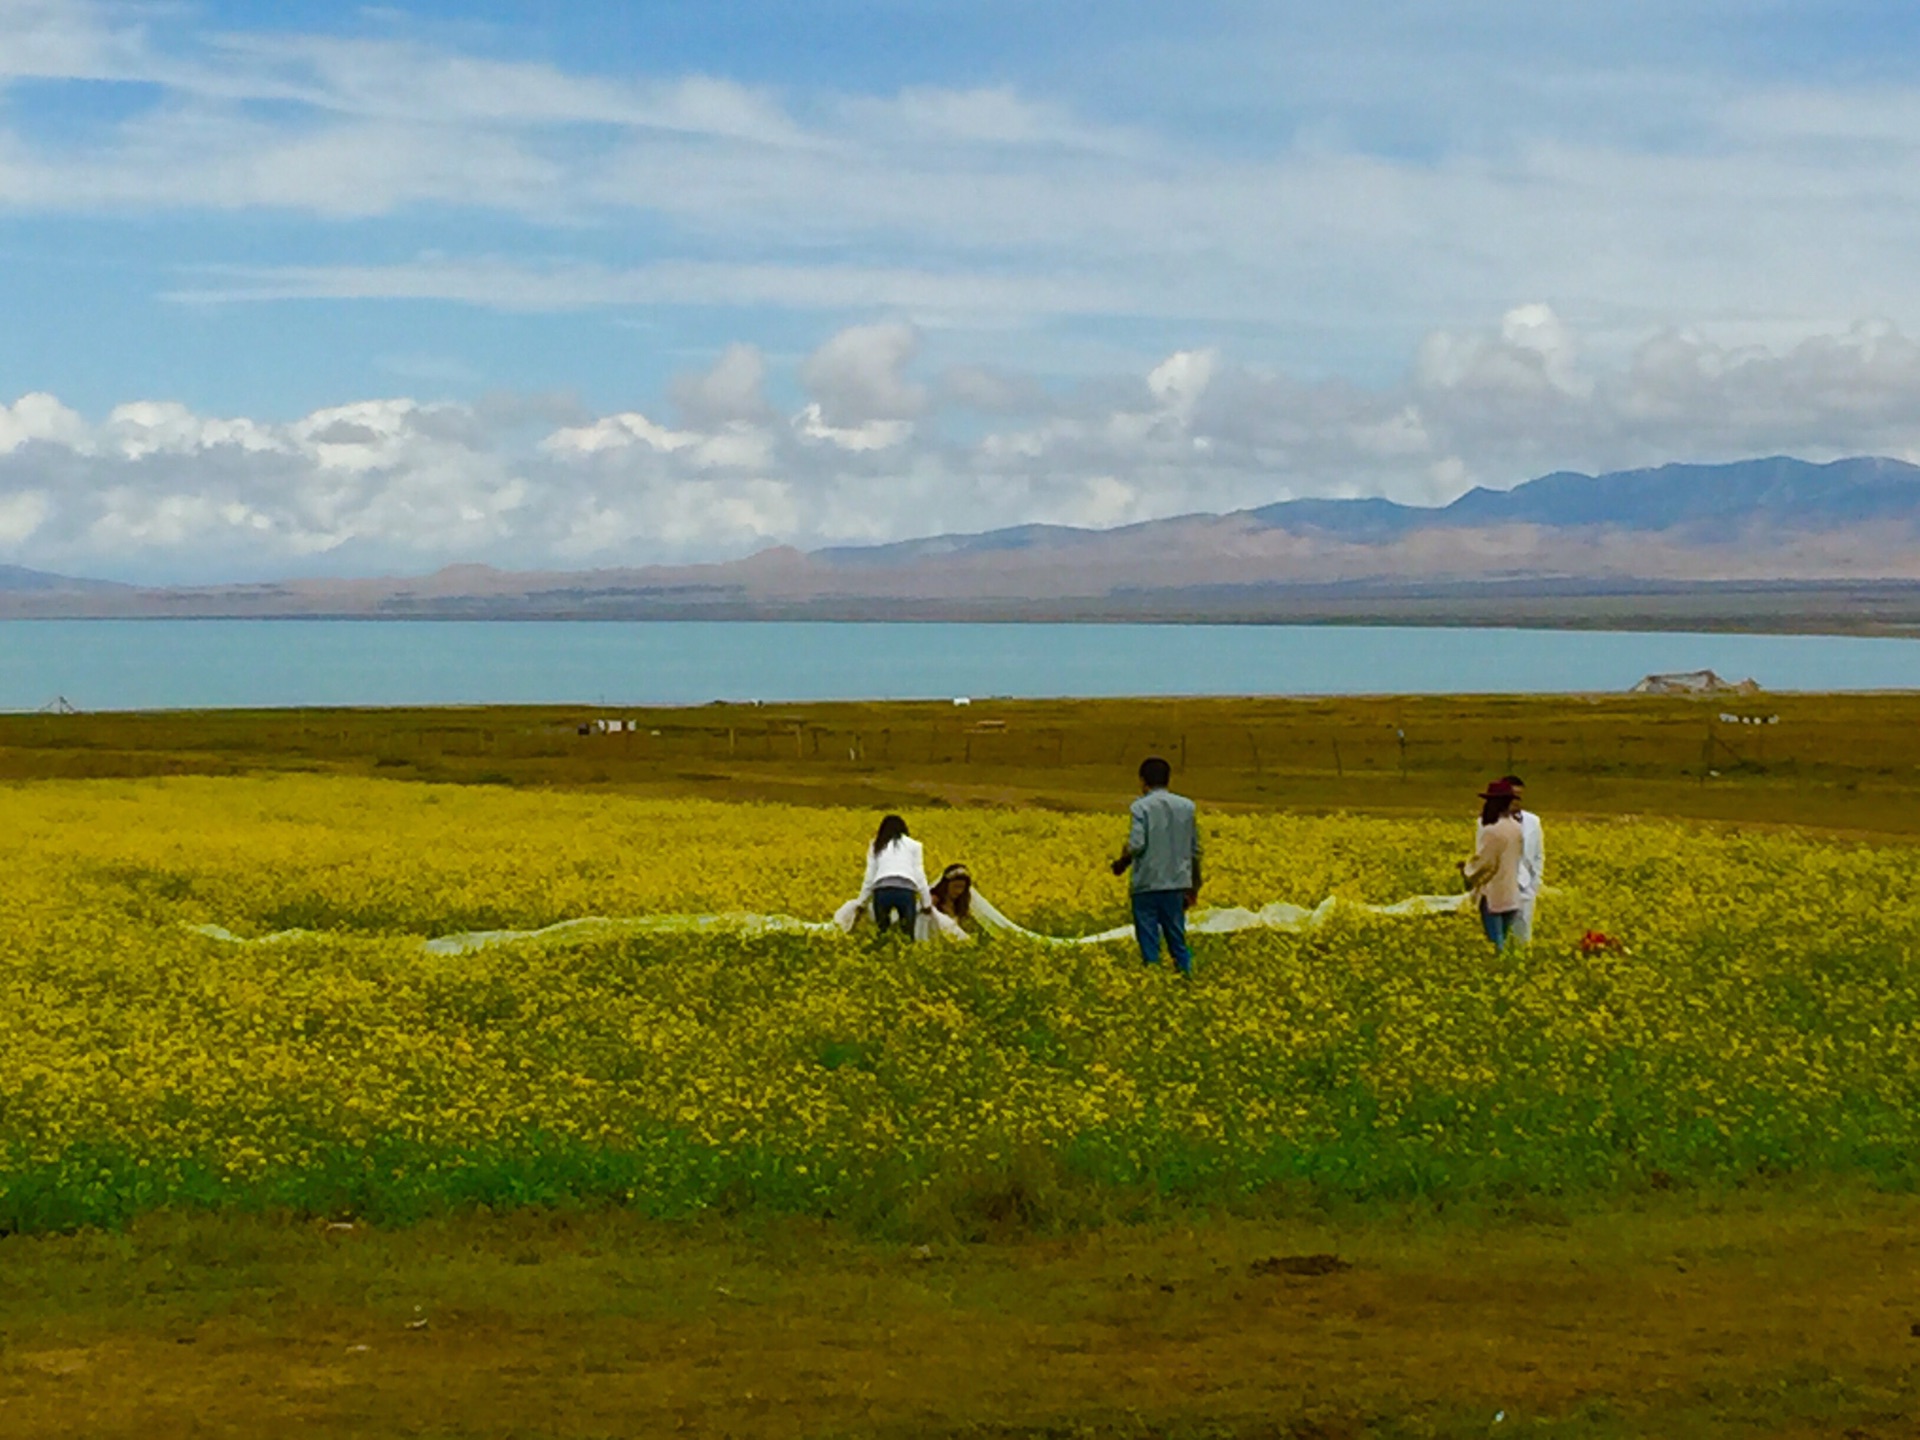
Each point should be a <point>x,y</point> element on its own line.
<point>174,664</point>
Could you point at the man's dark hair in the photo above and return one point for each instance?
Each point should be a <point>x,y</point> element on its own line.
<point>1513,780</point>
<point>1156,772</point>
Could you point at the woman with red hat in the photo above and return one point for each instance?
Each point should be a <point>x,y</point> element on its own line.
<point>1493,872</point>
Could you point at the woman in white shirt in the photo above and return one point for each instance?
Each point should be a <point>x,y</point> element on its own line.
<point>896,880</point>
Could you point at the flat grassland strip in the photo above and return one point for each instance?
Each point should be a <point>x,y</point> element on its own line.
<point>1780,1313</point>
<point>1836,762</point>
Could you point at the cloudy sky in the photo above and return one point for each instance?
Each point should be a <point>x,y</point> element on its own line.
<point>302,288</point>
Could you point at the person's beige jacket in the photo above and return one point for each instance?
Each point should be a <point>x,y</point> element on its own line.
<point>1493,874</point>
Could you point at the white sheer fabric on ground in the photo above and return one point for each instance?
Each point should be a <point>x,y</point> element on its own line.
<point>1224,921</point>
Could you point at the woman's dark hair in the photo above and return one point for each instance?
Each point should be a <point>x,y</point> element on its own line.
<point>891,829</point>
<point>958,906</point>
<point>1494,808</point>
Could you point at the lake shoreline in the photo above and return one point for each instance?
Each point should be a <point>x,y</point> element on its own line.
<point>1446,620</point>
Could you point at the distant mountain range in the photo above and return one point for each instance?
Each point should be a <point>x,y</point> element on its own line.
<point>17,578</point>
<point>1761,543</point>
<point>1700,501</point>
<point>1700,504</point>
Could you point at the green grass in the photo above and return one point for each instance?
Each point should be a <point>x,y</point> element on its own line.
<point>1779,1312</point>
<point>1376,1061</point>
<point>1842,762</point>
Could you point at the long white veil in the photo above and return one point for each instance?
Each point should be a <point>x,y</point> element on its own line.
<point>1211,921</point>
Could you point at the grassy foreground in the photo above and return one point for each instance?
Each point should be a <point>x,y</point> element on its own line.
<point>1779,1313</point>
<point>1665,1194</point>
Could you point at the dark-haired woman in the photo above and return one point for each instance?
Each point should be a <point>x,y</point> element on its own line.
<point>952,902</point>
<point>896,880</point>
<point>1493,872</point>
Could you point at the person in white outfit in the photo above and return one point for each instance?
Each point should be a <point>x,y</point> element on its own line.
<point>896,882</point>
<point>1533,859</point>
<point>953,897</point>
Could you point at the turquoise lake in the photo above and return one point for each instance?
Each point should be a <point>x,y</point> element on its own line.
<point>191,664</point>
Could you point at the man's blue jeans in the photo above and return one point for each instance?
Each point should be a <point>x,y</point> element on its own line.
<point>1162,912</point>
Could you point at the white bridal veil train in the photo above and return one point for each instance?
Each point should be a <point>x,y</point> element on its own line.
<point>1226,920</point>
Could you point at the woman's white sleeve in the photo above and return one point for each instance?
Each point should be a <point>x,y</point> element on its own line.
<point>866,886</point>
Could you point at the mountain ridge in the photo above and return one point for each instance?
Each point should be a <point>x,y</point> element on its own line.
<point>16,578</point>
<point>1774,523</point>
<point>1777,486</point>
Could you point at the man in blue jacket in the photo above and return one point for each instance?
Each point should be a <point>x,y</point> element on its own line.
<point>1163,850</point>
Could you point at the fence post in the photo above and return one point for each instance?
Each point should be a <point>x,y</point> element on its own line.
<point>1510,739</point>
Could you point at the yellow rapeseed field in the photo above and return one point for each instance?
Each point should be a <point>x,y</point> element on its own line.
<point>1761,1018</point>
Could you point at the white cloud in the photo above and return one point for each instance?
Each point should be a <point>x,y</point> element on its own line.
<point>210,158</point>
<point>40,417</point>
<point>732,392</point>
<point>155,489</point>
<point>365,79</point>
<point>22,513</point>
<point>1533,353</point>
<point>991,391</point>
<point>859,376</point>
<point>164,427</point>
<point>998,117</point>
<point>617,432</point>
<point>505,284</point>
<point>391,80</point>
<point>1179,381</point>
<point>1356,188</point>
<point>813,424</point>
<point>63,40</point>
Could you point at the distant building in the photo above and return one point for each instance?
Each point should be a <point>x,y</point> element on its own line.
<point>1695,682</point>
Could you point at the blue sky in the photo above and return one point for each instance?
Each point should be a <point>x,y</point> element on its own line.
<point>301,288</point>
